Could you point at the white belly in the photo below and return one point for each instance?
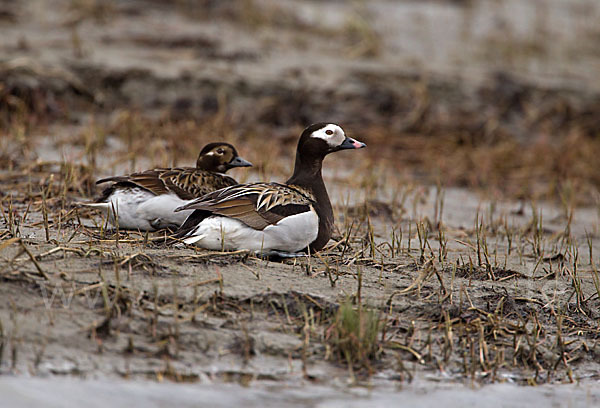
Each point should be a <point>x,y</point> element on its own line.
<point>291,234</point>
<point>138,209</point>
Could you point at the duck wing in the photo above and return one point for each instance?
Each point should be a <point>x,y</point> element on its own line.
<point>186,182</point>
<point>190,183</point>
<point>257,205</point>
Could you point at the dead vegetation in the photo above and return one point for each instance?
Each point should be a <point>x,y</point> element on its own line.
<point>497,301</point>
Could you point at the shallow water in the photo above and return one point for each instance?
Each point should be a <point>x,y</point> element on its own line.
<point>60,392</point>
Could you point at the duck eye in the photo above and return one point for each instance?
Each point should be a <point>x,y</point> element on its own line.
<point>329,132</point>
<point>220,151</point>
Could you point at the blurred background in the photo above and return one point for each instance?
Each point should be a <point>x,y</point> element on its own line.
<point>502,96</point>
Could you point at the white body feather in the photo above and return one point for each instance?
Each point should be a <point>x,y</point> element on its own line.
<point>139,209</point>
<point>291,234</point>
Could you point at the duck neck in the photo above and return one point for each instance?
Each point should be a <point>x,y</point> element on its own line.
<point>212,164</point>
<point>307,174</point>
<point>203,163</point>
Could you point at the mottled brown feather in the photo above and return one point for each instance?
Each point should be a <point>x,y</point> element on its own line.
<point>186,182</point>
<point>257,205</point>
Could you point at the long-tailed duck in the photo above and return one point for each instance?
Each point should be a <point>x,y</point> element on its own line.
<point>146,201</point>
<point>272,217</point>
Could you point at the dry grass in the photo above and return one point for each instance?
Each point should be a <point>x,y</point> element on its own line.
<point>456,311</point>
<point>521,148</point>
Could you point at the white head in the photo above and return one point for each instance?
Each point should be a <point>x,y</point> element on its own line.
<point>320,139</point>
<point>331,133</point>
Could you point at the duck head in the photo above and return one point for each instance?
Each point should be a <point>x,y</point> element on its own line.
<point>220,157</point>
<point>320,139</point>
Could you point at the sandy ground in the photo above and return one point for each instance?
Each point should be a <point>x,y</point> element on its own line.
<point>470,287</point>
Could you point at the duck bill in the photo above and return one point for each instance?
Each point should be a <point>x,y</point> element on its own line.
<point>350,143</point>
<point>239,162</point>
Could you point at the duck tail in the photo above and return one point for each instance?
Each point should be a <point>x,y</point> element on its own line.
<point>101,206</point>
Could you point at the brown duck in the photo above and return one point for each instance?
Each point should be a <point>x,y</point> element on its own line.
<point>146,200</point>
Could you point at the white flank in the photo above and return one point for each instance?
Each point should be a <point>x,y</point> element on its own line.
<point>291,234</point>
<point>334,139</point>
<point>138,209</point>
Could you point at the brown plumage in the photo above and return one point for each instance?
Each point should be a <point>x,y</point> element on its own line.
<point>146,200</point>
<point>257,205</point>
<point>186,182</point>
